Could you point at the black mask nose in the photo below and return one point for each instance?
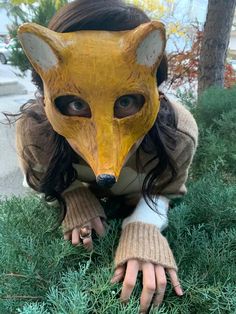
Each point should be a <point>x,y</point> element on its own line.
<point>106,180</point>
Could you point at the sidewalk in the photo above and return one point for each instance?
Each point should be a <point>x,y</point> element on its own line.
<point>10,174</point>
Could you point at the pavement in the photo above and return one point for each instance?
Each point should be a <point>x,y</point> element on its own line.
<point>14,91</point>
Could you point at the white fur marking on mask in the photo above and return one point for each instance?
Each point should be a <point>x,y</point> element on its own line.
<point>150,49</point>
<point>39,51</point>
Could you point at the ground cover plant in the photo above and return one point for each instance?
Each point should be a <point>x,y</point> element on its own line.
<point>216,117</point>
<point>42,274</point>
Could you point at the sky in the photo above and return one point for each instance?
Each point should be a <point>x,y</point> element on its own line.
<point>3,22</point>
<point>195,9</point>
<point>187,12</point>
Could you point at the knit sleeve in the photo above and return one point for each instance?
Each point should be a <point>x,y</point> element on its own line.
<point>144,242</point>
<point>141,236</point>
<point>82,206</point>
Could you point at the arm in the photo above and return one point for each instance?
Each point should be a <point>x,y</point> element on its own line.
<point>145,223</point>
<point>143,213</point>
<point>142,246</point>
<point>138,229</point>
<point>82,205</point>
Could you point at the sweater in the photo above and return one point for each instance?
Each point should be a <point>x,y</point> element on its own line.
<point>141,236</point>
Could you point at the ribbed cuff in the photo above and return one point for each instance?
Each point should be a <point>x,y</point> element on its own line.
<point>146,243</point>
<point>82,206</point>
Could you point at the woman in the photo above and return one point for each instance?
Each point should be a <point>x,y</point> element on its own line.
<point>101,129</point>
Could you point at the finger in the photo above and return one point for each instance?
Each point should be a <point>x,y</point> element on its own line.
<point>88,243</point>
<point>67,236</point>
<point>161,284</point>
<point>118,274</point>
<point>130,279</point>
<point>86,236</point>
<point>75,239</point>
<point>98,226</point>
<point>175,282</point>
<point>149,286</point>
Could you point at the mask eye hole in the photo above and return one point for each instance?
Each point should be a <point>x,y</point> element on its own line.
<point>70,105</point>
<point>128,105</point>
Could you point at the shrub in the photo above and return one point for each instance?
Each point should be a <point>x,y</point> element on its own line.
<point>40,273</point>
<point>216,118</point>
<point>213,104</point>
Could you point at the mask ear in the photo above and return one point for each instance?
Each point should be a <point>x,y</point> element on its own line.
<point>145,44</point>
<point>41,46</point>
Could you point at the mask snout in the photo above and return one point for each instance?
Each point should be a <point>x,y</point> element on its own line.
<point>106,180</point>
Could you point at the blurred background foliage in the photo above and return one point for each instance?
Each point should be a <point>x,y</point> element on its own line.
<point>39,12</point>
<point>184,37</point>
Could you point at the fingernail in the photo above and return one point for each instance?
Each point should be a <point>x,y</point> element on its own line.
<point>181,291</point>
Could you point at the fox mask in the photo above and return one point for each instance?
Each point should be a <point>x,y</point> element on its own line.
<point>90,78</point>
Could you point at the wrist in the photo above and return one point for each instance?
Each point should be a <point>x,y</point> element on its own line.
<point>155,216</point>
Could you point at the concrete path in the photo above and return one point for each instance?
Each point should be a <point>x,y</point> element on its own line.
<point>10,174</point>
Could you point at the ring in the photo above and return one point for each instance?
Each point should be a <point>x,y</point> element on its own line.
<point>85,232</point>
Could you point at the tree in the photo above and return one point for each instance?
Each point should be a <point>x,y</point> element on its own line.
<point>184,65</point>
<point>215,43</point>
<point>166,11</point>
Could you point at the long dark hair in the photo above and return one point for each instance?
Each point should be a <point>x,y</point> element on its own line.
<point>110,15</point>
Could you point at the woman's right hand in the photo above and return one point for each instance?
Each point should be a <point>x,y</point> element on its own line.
<point>83,235</point>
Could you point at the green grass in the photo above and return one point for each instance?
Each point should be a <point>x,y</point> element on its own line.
<point>41,273</point>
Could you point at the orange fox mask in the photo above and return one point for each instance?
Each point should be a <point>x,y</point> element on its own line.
<point>99,72</point>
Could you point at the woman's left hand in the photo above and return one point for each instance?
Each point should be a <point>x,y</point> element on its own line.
<point>76,235</point>
<point>154,282</point>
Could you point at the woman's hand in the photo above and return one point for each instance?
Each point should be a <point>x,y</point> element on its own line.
<point>83,234</point>
<point>154,282</point>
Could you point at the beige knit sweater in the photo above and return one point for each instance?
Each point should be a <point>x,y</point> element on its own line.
<point>141,237</point>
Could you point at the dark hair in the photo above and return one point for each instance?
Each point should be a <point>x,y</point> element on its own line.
<point>110,15</point>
